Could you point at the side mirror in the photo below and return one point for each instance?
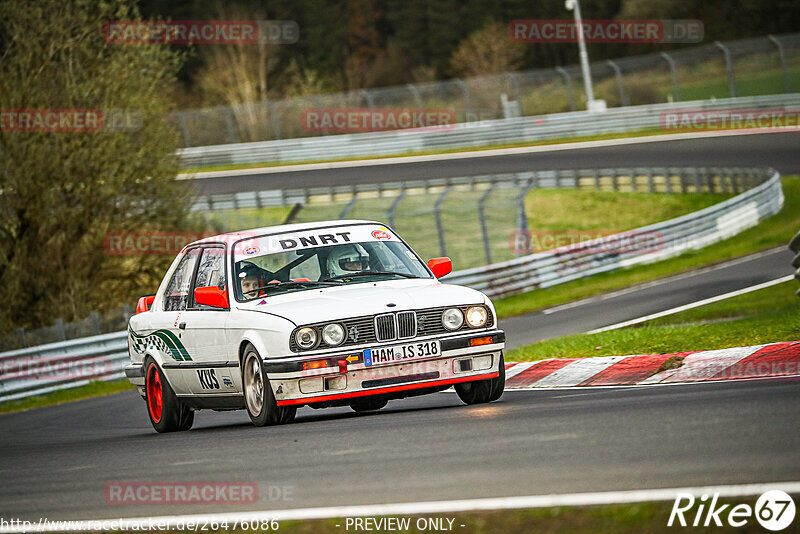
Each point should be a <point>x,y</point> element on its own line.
<point>440,266</point>
<point>144,303</point>
<point>211,296</point>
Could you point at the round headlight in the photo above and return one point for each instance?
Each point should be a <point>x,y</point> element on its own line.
<point>306,337</point>
<point>452,318</point>
<point>333,334</point>
<point>476,316</point>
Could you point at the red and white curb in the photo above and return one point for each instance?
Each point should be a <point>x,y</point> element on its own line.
<point>757,361</point>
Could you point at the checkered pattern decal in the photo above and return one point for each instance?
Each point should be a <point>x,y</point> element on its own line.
<point>163,341</point>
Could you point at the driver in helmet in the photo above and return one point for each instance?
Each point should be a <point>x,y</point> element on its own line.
<point>251,278</point>
<point>347,259</point>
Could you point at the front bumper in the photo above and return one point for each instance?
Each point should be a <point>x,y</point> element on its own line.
<point>459,361</point>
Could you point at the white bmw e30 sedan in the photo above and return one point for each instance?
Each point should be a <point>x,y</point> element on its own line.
<point>337,313</point>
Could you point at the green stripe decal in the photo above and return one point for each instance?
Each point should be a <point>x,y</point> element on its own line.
<point>162,340</point>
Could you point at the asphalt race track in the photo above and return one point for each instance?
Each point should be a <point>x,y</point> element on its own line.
<point>778,150</point>
<point>646,299</point>
<point>56,461</point>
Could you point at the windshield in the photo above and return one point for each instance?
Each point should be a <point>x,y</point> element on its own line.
<point>349,262</point>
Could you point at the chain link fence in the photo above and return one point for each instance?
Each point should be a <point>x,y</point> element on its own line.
<point>749,67</point>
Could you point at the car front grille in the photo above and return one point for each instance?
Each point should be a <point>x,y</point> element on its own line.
<point>391,326</point>
<point>406,324</point>
<point>384,327</point>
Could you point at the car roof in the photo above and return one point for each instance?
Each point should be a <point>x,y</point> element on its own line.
<point>231,237</point>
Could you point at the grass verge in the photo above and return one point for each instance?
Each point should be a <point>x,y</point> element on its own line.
<point>768,315</point>
<point>773,232</point>
<point>92,389</point>
<point>648,517</point>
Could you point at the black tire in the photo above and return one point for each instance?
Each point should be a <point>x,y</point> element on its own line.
<point>258,397</point>
<point>164,409</point>
<point>499,383</point>
<point>368,404</point>
<point>477,392</point>
<point>483,391</point>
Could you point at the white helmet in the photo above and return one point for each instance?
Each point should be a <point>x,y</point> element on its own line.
<point>347,259</point>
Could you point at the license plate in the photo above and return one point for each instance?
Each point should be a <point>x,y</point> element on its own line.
<point>399,353</point>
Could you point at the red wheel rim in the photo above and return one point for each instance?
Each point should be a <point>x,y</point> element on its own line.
<point>154,393</point>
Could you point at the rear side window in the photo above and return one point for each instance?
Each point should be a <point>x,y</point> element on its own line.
<point>176,297</point>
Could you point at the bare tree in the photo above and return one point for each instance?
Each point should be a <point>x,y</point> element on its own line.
<point>487,51</point>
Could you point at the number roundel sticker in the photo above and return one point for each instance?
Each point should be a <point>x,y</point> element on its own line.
<point>380,234</point>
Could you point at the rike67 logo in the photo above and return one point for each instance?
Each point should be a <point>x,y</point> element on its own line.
<point>774,510</point>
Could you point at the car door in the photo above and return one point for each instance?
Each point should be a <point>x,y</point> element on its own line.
<point>163,332</point>
<point>206,334</point>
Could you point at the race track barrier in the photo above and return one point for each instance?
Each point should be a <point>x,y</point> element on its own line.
<point>466,135</point>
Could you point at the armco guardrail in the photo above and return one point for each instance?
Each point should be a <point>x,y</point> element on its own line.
<point>46,368</point>
<point>465,135</point>
<point>661,240</point>
<point>794,244</point>
<point>71,363</point>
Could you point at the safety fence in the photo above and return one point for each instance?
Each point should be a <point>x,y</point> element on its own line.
<point>749,67</point>
<point>46,368</point>
<point>794,245</point>
<point>643,245</point>
<point>483,133</point>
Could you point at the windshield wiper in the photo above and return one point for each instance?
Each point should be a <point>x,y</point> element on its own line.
<point>291,284</point>
<point>369,273</point>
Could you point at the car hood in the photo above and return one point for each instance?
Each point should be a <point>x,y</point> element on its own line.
<point>368,298</point>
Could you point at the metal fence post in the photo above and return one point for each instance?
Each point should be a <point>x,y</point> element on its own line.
<point>787,82</point>
<point>484,227</point>
<point>62,333</point>
<point>568,83</point>
<point>726,54</point>
<point>184,129</point>
<point>522,216</point>
<point>95,320</point>
<point>350,205</point>
<point>274,118</point>
<point>467,104</point>
<point>673,72</point>
<point>623,98</point>
<point>367,97</point>
<point>21,334</point>
<point>393,208</point>
<point>437,211</point>
<point>514,79</point>
<point>231,125</point>
<point>415,94</point>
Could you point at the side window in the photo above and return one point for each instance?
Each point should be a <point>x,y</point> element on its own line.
<point>176,297</point>
<point>211,271</point>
